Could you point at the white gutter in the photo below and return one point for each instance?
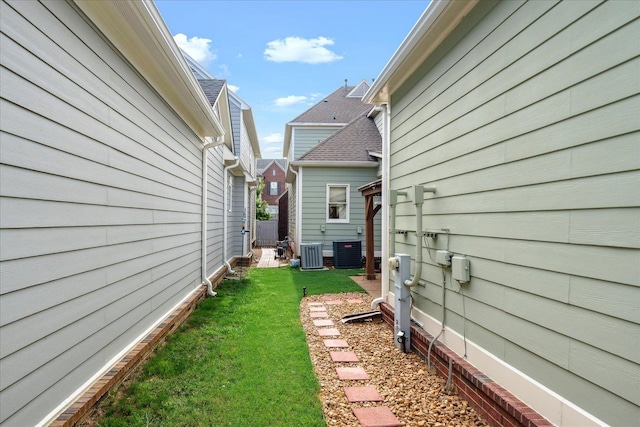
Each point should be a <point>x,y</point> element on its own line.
<point>436,23</point>
<point>225,214</point>
<point>205,278</point>
<point>324,164</point>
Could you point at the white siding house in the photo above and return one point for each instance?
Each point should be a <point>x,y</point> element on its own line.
<point>525,116</point>
<point>101,187</point>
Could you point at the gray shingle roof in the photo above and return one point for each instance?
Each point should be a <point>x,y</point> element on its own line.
<point>335,108</point>
<point>352,143</point>
<point>212,88</point>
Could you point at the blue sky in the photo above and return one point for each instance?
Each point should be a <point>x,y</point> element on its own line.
<point>281,57</point>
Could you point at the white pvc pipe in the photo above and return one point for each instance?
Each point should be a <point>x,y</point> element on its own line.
<point>225,214</point>
<point>418,199</point>
<point>205,279</point>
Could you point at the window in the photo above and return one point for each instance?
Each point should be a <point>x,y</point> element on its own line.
<point>273,188</point>
<point>273,172</point>
<point>337,203</point>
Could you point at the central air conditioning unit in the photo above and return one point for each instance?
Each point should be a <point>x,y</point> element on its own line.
<point>311,256</point>
<point>347,254</point>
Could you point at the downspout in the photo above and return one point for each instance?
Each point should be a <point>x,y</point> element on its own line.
<point>386,253</point>
<point>418,200</point>
<point>225,214</point>
<point>297,241</point>
<point>205,149</point>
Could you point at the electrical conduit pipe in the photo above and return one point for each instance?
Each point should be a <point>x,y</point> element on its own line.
<point>225,214</point>
<point>216,141</point>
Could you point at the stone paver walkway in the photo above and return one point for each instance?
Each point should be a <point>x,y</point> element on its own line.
<point>375,416</point>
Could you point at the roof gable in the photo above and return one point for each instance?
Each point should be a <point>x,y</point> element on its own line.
<point>264,164</point>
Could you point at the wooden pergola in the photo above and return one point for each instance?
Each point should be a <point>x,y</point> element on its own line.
<point>369,191</point>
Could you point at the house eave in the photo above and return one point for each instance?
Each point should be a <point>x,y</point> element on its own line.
<point>334,164</point>
<point>439,19</point>
<point>129,26</point>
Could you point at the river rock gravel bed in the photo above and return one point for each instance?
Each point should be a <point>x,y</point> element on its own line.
<point>415,396</point>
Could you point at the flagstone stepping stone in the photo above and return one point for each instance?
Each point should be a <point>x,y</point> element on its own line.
<point>335,343</point>
<point>362,394</point>
<point>343,356</point>
<point>317,309</point>
<point>319,314</point>
<point>323,322</point>
<point>334,302</point>
<point>315,303</point>
<point>328,332</point>
<point>377,416</point>
<point>354,301</point>
<point>356,373</point>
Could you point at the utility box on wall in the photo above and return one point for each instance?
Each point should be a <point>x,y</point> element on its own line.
<point>347,253</point>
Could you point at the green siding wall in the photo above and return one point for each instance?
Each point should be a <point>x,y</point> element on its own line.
<point>314,198</point>
<point>526,121</point>
<point>307,138</point>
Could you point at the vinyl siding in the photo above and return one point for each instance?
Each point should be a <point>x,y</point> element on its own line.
<point>234,235</point>
<point>526,121</point>
<point>314,199</point>
<point>100,192</point>
<point>215,197</point>
<point>307,138</point>
<point>291,194</point>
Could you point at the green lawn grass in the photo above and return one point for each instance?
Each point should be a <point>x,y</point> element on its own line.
<point>241,359</point>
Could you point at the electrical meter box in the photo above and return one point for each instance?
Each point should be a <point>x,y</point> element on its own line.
<point>460,268</point>
<point>443,257</point>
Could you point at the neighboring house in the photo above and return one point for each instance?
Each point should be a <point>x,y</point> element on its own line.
<point>525,116</point>
<point>101,241</point>
<point>333,149</point>
<point>239,173</point>
<point>273,173</point>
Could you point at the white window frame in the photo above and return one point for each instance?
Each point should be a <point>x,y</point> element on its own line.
<point>347,188</point>
<point>273,191</point>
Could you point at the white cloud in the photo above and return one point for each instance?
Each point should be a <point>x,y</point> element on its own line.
<point>297,49</point>
<point>271,146</point>
<point>290,100</point>
<point>233,88</point>
<point>196,47</point>
<point>273,138</point>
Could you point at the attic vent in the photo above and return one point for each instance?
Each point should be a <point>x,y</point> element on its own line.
<point>359,91</point>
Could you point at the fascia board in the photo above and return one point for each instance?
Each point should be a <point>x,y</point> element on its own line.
<point>138,31</point>
<point>324,164</point>
<point>313,124</point>
<point>439,19</point>
<point>247,117</point>
<point>287,140</point>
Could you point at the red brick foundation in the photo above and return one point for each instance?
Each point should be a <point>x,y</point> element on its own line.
<point>493,402</point>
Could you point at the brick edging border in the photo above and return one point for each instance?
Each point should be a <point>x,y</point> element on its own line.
<point>492,401</point>
<point>85,403</point>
